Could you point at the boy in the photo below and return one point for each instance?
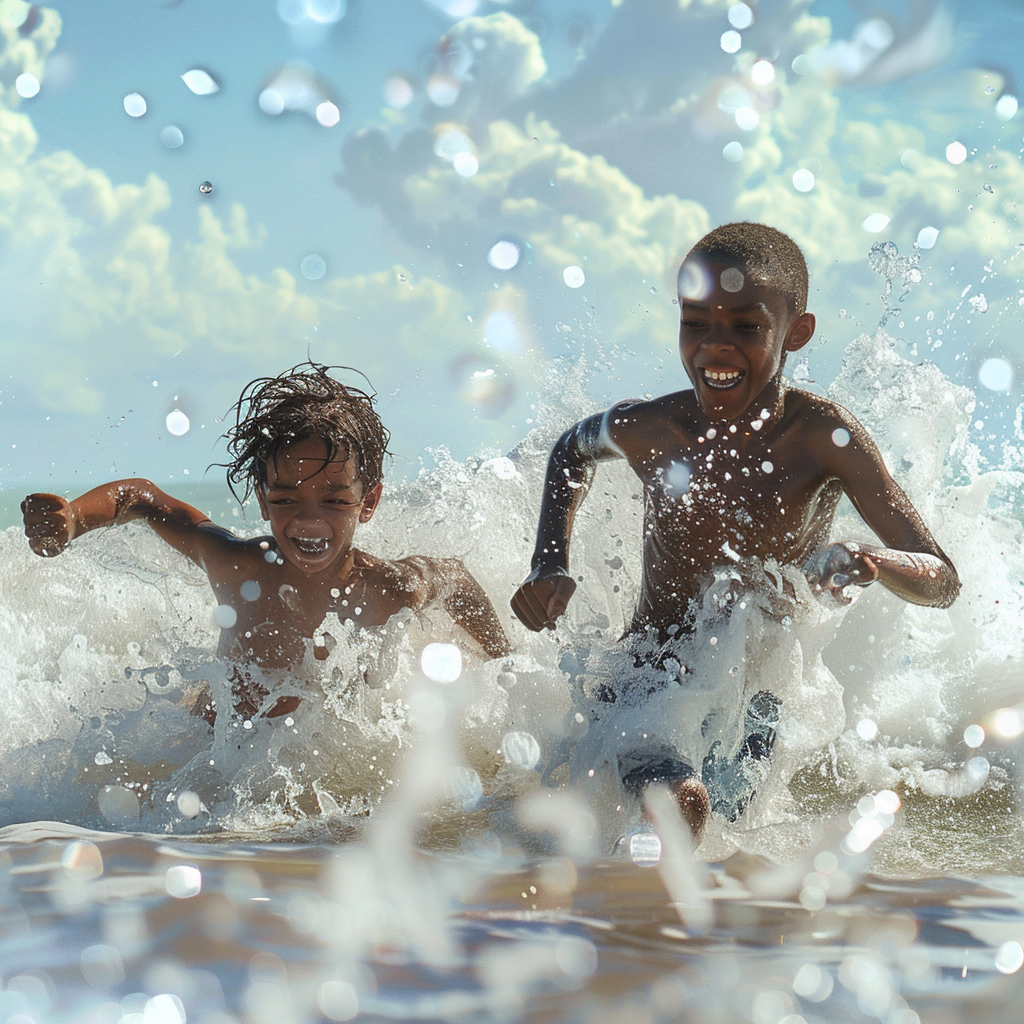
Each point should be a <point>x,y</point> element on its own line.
<point>312,451</point>
<point>741,466</point>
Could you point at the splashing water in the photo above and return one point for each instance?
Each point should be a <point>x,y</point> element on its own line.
<point>400,746</point>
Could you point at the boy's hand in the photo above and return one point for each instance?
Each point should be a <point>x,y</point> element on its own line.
<point>839,566</point>
<point>542,597</point>
<point>49,523</point>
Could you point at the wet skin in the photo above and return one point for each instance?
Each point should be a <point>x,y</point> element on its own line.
<point>281,587</point>
<point>738,467</point>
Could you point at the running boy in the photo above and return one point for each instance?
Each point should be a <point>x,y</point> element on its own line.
<point>740,466</point>
<point>312,451</point>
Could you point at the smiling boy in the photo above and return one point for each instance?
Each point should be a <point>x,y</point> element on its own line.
<point>739,467</point>
<point>312,451</point>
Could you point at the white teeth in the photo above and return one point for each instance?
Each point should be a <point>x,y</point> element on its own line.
<point>308,546</point>
<point>722,379</point>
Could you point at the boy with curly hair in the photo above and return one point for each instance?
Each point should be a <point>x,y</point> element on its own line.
<point>311,449</point>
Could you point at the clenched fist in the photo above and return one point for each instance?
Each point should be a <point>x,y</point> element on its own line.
<point>49,523</point>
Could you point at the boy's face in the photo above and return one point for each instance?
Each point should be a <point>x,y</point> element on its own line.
<point>733,334</point>
<point>313,508</point>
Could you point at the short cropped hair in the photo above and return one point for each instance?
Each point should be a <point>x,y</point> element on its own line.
<point>767,254</point>
<point>303,402</point>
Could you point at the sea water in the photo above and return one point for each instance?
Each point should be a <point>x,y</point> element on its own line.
<point>434,836</point>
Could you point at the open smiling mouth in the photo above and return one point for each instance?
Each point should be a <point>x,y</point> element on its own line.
<point>311,546</point>
<point>722,380</point>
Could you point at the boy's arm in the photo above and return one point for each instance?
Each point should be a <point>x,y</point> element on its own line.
<point>545,592</point>
<point>448,580</point>
<point>910,563</point>
<point>52,522</point>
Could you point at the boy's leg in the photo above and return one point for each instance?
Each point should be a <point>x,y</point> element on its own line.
<point>732,783</point>
<point>661,763</point>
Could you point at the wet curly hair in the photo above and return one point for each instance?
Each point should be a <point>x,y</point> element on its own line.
<point>767,253</point>
<point>303,402</point>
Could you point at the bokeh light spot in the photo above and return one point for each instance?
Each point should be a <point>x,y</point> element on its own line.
<point>520,749</point>
<point>398,92</point>
<point>974,735</point>
<point>733,152</point>
<point>927,237</point>
<point>172,136</point>
<point>840,437</point>
<point>441,663</point>
<point>328,114</point>
<point>876,222</point>
<point>183,881</point>
<point>731,41</point>
<point>747,118</point>
<point>503,255</point>
<point>1006,107</point>
<point>1010,957</point>
<point>763,72</point>
<point>732,279</point>
<point>313,267</point>
<point>465,164</point>
<point>200,82</point>
<point>996,374</point>
<point>177,423</point>
<point>803,180</point>
<point>956,152</point>
<point>644,849</point>
<point>574,277</point>
<point>134,104</point>
<point>867,729</point>
<point>26,85</point>
<point>740,16</point>
<point>225,616</point>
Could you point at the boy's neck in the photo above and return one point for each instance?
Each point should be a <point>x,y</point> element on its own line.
<point>771,400</point>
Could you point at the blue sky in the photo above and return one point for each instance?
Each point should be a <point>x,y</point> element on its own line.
<point>588,134</point>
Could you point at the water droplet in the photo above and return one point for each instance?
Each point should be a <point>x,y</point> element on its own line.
<point>177,423</point>
<point>465,164</point>
<point>441,663</point>
<point>327,113</point>
<point>803,180</point>
<point>767,466</point>
<point>250,590</point>
<point>225,616</point>
<point>732,279</point>
<point>574,277</point>
<point>313,267</point>
<point>978,303</point>
<point>974,735</point>
<point>102,757</point>
<point>876,222</point>
<point>740,16</point>
<point>183,881</point>
<point>201,82</point>
<point>189,803</point>
<point>956,153</point>
<point>520,749</point>
<point>172,136</point>
<point>996,374</point>
<point>398,92</point>
<point>733,152</point>
<point>644,849</point>
<point>763,72</point>
<point>134,105</point>
<point>747,118</point>
<point>206,188</point>
<point>867,729</point>
<point>731,41</point>
<point>840,437</point>
<point>1006,107</point>
<point>26,85</point>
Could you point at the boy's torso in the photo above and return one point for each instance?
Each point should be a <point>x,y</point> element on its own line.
<point>716,493</point>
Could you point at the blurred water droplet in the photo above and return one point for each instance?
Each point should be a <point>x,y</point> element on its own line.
<point>978,303</point>
<point>117,804</point>
<point>520,749</point>
<point>398,92</point>
<point>763,72</point>
<point>768,467</point>
<point>747,118</point>
<point>876,222</point>
<point>503,255</point>
<point>927,237</point>
<point>733,152</point>
<point>996,374</point>
<point>327,113</point>
<point>463,786</point>
<point>295,87</point>
<point>441,663</point>
<point>189,803</point>
<point>200,82</point>
<point>177,423</point>
<point>134,105</point>
<point>840,437</point>
<point>803,180</point>
<point>644,849</point>
<point>956,153</point>
<point>82,859</point>
<point>574,277</point>
<point>183,881</point>
<point>206,187</point>
<point>1009,957</point>
<point>867,729</point>
<point>26,85</point>
<point>974,735</point>
<point>313,267</point>
<point>731,41</point>
<point>225,616</point>
<point>740,16</point>
<point>102,757</point>
<point>1006,107</point>
<point>172,136</point>
<point>443,90</point>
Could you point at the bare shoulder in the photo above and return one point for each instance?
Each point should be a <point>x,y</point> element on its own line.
<point>636,421</point>
<point>828,428</point>
<point>413,580</point>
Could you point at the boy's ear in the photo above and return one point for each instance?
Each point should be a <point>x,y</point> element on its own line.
<point>801,330</point>
<point>370,500</point>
